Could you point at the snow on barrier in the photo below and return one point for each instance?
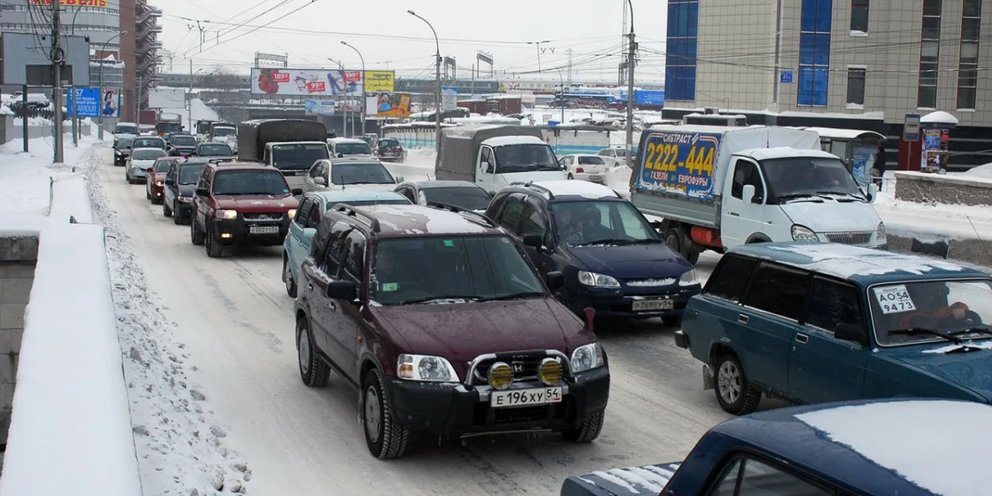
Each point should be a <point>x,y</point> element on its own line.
<point>939,188</point>
<point>70,427</point>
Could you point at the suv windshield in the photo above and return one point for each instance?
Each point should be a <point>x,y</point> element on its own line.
<point>250,182</point>
<point>122,129</point>
<point>804,177</point>
<point>297,157</point>
<point>183,141</point>
<point>450,270</point>
<point>147,154</point>
<point>373,173</point>
<point>945,307</point>
<point>162,165</point>
<point>471,198</point>
<point>224,131</point>
<point>214,150</point>
<point>190,173</point>
<point>525,158</point>
<point>353,149</point>
<point>601,222</point>
<point>148,143</point>
<point>123,143</point>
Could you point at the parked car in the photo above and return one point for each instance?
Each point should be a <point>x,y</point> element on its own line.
<point>816,323</point>
<point>349,147</point>
<point>313,206</point>
<point>181,145</point>
<point>125,128</point>
<point>122,150</point>
<point>139,162</point>
<point>585,167</point>
<point>240,204</point>
<point>341,173</point>
<point>148,142</point>
<point>212,149</point>
<point>390,150</point>
<point>871,448</point>
<point>616,154</point>
<point>611,257</point>
<point>420,308</point>
<point>462,194</point>
<point>180,188</point>
<point>155,178</point>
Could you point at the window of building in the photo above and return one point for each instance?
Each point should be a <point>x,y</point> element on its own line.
<point>929,54</point>
<point>814,53</point>
<point>859,15</point>
<point>968,64</point>
<point>856,86</point>
<point>680,63</point>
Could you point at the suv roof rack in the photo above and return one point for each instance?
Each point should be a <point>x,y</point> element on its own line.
<point>355,212</point>
<point>530,184</point>
<point>470,215</point>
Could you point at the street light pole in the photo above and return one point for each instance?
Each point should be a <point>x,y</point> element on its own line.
<point>437,83</point>
<point>561,86</point>
<point>538,43</point>
<point>344,118</point>
<point>364,99</point>
<point>632,49</point>
<point>99,117</point>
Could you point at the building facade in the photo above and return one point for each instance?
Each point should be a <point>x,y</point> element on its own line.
<point>864,59</point>
<point>139,49</point>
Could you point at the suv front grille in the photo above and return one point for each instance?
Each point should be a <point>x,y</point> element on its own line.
<point>276,216</point>
<point>850,238</point>
<point>524,364</point>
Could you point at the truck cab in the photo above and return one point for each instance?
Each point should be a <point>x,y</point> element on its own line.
<point>294,158</point>
<point>290,145</point>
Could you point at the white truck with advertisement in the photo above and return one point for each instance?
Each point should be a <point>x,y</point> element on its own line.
<point>719,187</point>
<point>496,156</point>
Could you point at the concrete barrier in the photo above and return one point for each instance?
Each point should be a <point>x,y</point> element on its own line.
<point>939,188</point>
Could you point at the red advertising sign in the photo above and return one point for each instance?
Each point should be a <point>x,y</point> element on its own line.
<point>352,76</point>
<point>316,87</point>
<point>306,82</point>
<point>280,77</point>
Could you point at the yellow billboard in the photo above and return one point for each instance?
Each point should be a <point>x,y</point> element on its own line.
<point>380,81</point>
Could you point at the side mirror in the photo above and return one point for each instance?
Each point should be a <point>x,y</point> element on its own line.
<point>533,240</point>
<point>320,181</point>
<point>748,193</point>
<point>150,170</point>
<point>399,179</point>
<point>851,332</point>
<point>202,192</point>
<point>340,155</point>
<point>170,182</point>
<point>488,167</point>
<point>872,192</point>
<point>297,191</point>
<point>556,280</point>
<point>341,290</point>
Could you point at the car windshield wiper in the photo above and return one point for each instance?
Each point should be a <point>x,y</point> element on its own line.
<point>832,194</point>
<point>973,330</point>
<point>432,299</point>
<point>515,296</point>
<point>919,331</point>
<point>800,196</point>
<point>609,241</point>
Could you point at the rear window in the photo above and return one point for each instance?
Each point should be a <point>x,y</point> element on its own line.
<point>250,182</point>
<point>472,198</point>
<point>373,173</point>
<point>590,161</point>
<point>214,150</point>
<point>353,149</point>
<point>148,143</point>
<point>184,141</point>
<point>730,278</point>
<point>388,143</point>
<point>145,154</point>
<point>779,290</point>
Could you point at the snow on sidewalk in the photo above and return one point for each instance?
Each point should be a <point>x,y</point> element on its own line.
<point>932,221</point>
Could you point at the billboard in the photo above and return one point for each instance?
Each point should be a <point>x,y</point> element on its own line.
<point>305,82</point>
<point>83,102</point>
<point>380,81</point>
<point>73,3</point>
<point>27,62</point>
<point>679,162</point>
<point>393,105</point>
<point>319,107</point>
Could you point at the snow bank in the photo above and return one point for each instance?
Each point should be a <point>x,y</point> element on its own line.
<point>983,171</point>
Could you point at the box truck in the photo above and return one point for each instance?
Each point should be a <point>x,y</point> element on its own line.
<point>495,156</point>
<point>290,145</point>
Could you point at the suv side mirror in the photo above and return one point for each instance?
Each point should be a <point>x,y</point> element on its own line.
<point>341,290</point>
<point>847,331</point>
<point>556,280</point>
<point>489,167</point>
<point>399,179</point>
<point>170,182</point>
<point>202,192</point>
<point>297,191</point>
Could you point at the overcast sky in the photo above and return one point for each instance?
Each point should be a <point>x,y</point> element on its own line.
<point>310,31</point>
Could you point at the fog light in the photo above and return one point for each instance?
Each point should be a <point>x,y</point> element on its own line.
<point>226,235</point>
<point>500,375</point>
<point>549,372</point>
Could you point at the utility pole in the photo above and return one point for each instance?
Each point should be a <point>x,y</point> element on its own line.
<point>189,97</point>
<point>58,57</point>
<point>538,43</point>
<point>137,106</point>
<point>631,55</point>
<point>569,66</point>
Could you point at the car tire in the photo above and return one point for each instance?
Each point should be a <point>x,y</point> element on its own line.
<point>166,211</point>
<point>148,193</point>
<point>196,236</point>
<point>313,371</point>
<point>214,248</point>
<point>675,241</point>
<point>570,176</point>
<point>734,392</point>
<point>588,430</point>
<point>385,438</point>
<point>287,277</point>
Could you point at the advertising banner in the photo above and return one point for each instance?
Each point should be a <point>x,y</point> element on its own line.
<point>83,102</point>
<point>393,105</point>
<point>305,82</point>
<point>449,98</point>
<point>319,107</point>
<point>862,158</point>
<point>73,3</point>
<point>679,162</point>
<point>380,81</point>
<point>933,155</point>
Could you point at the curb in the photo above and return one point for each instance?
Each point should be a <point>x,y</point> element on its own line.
<point>971,251</point>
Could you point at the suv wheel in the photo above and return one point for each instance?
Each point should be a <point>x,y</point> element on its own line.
<point>195,235</point>
<point>570,176</point>
<point>148,192</point>
<point>734,392</point>
<point>287,276</point>
<point>214,248</point>
<point>313,371</point>
<point>385,438</point>
<point>588,430</point>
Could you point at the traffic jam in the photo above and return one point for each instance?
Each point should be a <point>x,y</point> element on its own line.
<point>871,357</point>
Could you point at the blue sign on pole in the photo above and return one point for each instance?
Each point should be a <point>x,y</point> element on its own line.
<point>786,77</point>
<point>84,103</point>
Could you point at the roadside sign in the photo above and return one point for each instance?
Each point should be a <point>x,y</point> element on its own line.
<point>911,128</point>
<point>785,77</point>
<point>449,98</point>
<point>84,101</point>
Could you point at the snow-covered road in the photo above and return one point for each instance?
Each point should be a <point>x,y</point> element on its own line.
<point>234,324</point>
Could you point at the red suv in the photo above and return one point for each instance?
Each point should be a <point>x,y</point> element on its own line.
<point>445,327</point>
<point>241,204</point>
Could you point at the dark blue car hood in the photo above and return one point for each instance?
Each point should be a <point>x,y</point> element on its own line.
<point>643,261</point>
<point>969,369</point>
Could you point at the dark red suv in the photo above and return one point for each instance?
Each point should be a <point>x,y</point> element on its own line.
<point>445,327</point>
<point>241,204</point>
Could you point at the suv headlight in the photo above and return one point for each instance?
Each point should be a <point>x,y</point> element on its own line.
<point>595,280</point>
<point>291,213</point>
<point>689,278</point>
<point>587,357</point>
<point>185,199</point>
<point>880,234</point>
<point>425,368</point>
<point>804,234</point>
<point>226,214</point>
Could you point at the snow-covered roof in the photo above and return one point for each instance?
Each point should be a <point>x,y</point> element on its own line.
<point>585,189</point>
<point>346,140</point>
<point>939,117</point>
<point>941,446</point>
<point>783,152</point>
<point>831,132</point>
<point>355,194</point>
<point>514,140</point>
<point>419,220</point>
